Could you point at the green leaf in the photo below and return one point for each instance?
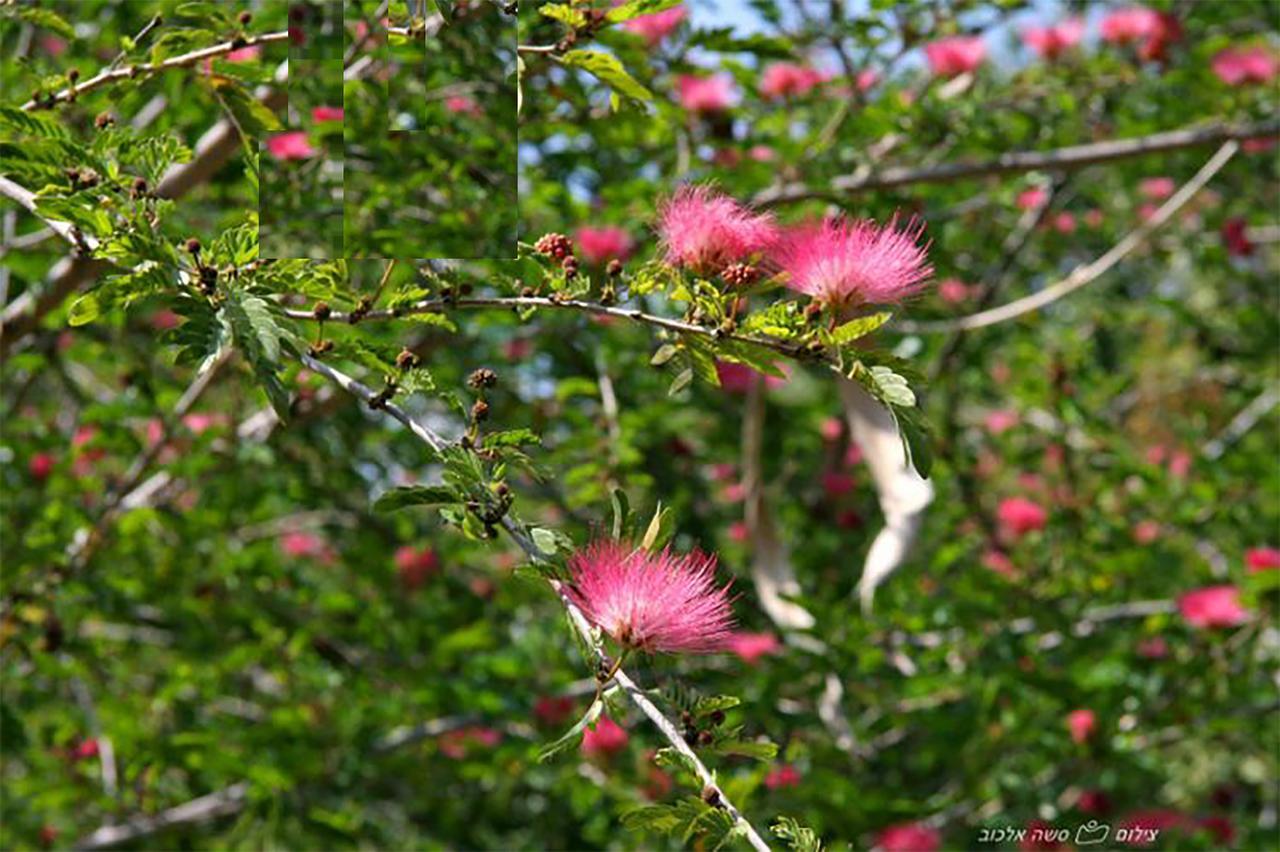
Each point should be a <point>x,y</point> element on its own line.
<point>550,542</point>
<point>511,438</point>
<point>608,70</point>
<point>636,8</point>
<point>30,124</point>
<point>621,511</point>
<point>917,441</point>
<point>661,528</point>
<point>257,334</point>
<point>445,8</point>
<point>565,14</point>
<point>119,290</point>
<point>711,703</point>
<point>765,751</point>
<point>723,40</point>
<point>81,211</point>
<point>250,114</point>
<point>860,327</point>
<point>886,385</point>
<point>40,17</point>
<point>415,495</point>
<point>573,735</point>
<point>665,353</point>
<point>682,380</point>
<point>202,335</point>
<point>178,41</point>
<point>798,837</point>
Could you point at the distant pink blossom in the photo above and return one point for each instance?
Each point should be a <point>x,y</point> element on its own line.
<point>86,749</point>
<point>462,105</point>
<point>909,837</point>
<point>1081,724</point>
<point>165,319</point>
<point>605,739</point>
<point>303,545</point>
<point>1031,198</point>
<point>951,57</point>
<point>1064,223</point>
<point>1258,144</point>
<point>750,647</point>
<point>1051,42</point>
<point>733,492</point>
<point>553,710</point>
<point>837,484</point>
<point>831,429</point>
<point>842,262</point>
<point>866,78</point>
<point>1235,237</point>
<point>603,244</point>
<point>739,532</point>
<point>653,602</point>
<point>53,45</point>
<point>953,290</point>
<point>415,565</point>
<point>291,145</point>
<point>1240,66</point>
<point>1146,531</point>
<point>787,79</point>
<point>326,113</point>
<point>1153,648</point>
<point>517,348</point>
<point>713,93</point>
<point>705,231</point>
<point>656,27</point>
<point>1152,31</point>
<point>853,455</point>
<point>1093,218</point>
<point>244,54</point>
<point>1179,464</point>
<point>1000,421</point>
<point>1213,606</point>
<point>1262,559</point>
<point>723,472</point>
<point>762,153</point>
<point>783,775</point>
<point>455,744</point>
<point>1000,563</point>
<point>1093,802</point>
<point>738,378</point>
<point>1019,516</point>
<point>40,466</point>
<point>1157,188</point>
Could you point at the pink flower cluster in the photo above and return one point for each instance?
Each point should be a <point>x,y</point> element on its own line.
<point>1241,66</point>
<point>1150,30</point>
<point>603,244</point>
<point>710,94</point>
<point>705,231</point>
<point>656,27</point>
<point>951,57</point>
<point>652,602</point>
<point>787,79</point>
<point>1051,42</point>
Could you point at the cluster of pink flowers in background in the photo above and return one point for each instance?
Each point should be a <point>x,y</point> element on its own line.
<point>603,244</point>
<point>706,94</point>
<point>1053,41</point>
<point>1241,66</point>
<point>951,57</point>
<point>605,739</point>
<point>1151,31</point>
<point>291,145</point>
<point>657,26</point>
<point>787,79</point>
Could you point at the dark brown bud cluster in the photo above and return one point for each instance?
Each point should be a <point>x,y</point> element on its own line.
<point>73,74</point>
<point>406,360</point>
<point>570,267</point>
<point>812,311</point>
<point>81,178</point>
<point>321,311</point>
<point>361,310</point>
<point>382,397</point>
<point>482,378</point>
<point>208,280</point>
<point>711,796</point>
<point>320,348</point>
<point>193,245</point>
<point>554,245</point>
<point>614,269</point>
<point>740,274</point>
<point>245,18</point>
<point>139,189</point>
<point>479,411</point>
<point>696,736</point>
<point>238,42</point>
<point>104,120</point>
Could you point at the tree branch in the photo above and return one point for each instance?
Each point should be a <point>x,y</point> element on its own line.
<point>112,73</point>
<point>637,696</point>
<point>1071,157</point>
<point>1085,273</point>
<point>66,230</point>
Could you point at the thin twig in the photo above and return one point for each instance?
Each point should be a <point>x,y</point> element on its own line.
<point>66,230</point>
<point>1085,273</point>
<point>1071,157</point>
<point>1245,420</point>
<point>112,74</point>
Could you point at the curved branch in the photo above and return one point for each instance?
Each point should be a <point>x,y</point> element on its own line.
<point>1085,273</point>
<point>66,230</point>
<point>634,692</point>
<point>1070,157</point>
<point>186,59</point>
<point>439,306</point>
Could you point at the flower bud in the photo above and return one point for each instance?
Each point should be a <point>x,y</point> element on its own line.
<point>614,269</point>
<point>321,311</point>
<point>711,796</point>
<point>480,411</point>
<point>406,360</point>
<point>244,18</point>
<point>73,74</point>
<point>554,245</point>
<point>482,378</point>
<point>193,245</point>
<point>104,120</point>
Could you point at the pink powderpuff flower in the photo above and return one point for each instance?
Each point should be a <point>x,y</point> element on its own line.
<point>836,484</point>
<point>750,647</point>
<point>244,54</point>
<point>326,113</point>
<point>1052,42</point>
<point>415,566</point>
<point>714,93</point>
<point>553,710</point>
<point>1153,648</point>
<point>165,319</point>
<point>953,291</point>
<point>462,105</point>
<point>738,378</point>
<point>705,231</point>
<point>762,153</point>
<point>843,262</point>
<point>1000,421</point>
<point>1179,464</point>
<point>1019,516</point>
<point>601,245</point>
<point>1145,532</point>
<point>1081,724</point>
<point>787,79</point>
<point>652,602</point>
<point>738,532</point>
<point>733,492</point>
<point>605,739</point>
<point>783,775</point>
<point>1262,559</point>
<point>40,466</point>
<point>291,145</point>
<point>302,545</point>
<point>1213,606</point>
<point>1157,188</point>
<point>86,749</point>
<point>831,429</point>
<point>951,57</point>
<point>1000,563</point>
<point>1031,198</point>
<point>454,744</point>
<point>1236,238</point>
<point>656,27</point>
<point>853,455</point>
<point>1064,223</point>
<point>866,79</point>
<point>909,837</point>
<point>1237,67</point>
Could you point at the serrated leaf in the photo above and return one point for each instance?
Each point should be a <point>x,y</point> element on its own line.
<point>606,68</point>
<point>43,18</point>
<point>250,114</point>
<point>860,327</point>
<point>258,336</point>
<point>415,495</point>
<point>745,748</point>
<point>148,278</point>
